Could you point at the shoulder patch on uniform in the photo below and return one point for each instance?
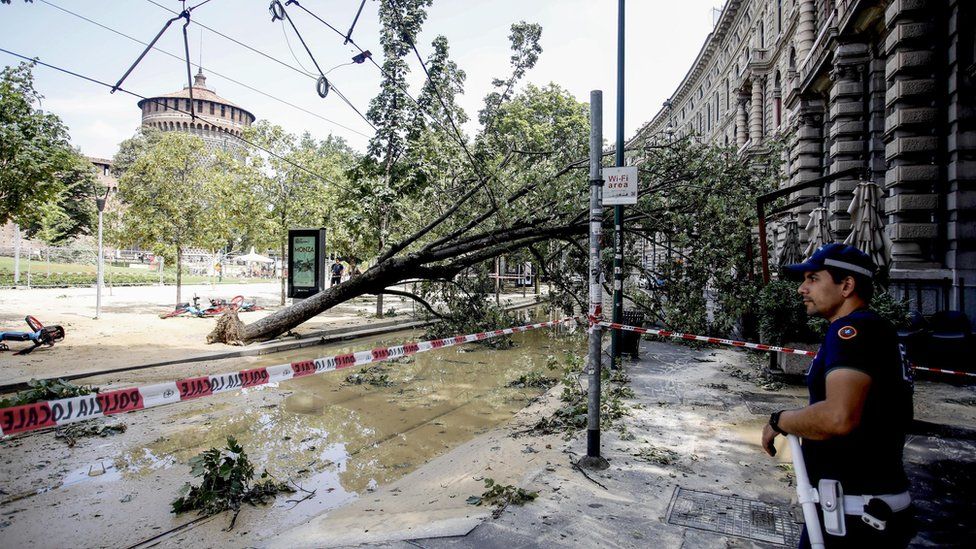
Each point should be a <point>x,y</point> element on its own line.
<point>847,332</point>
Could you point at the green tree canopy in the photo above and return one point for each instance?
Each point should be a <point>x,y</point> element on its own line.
<point>170,194</point>
<point>40,174</point>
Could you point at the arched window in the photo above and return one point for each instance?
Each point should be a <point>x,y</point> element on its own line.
<point>777,102</point>
<point>779,16</point>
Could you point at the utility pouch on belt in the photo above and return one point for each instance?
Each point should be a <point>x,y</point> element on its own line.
<point>832,503</point>
<point>876,514</point>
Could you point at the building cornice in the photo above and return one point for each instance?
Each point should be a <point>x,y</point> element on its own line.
<point>704,57</point>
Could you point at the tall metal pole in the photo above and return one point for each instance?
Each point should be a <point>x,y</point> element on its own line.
<point>100,278</point>
<point>618,211</point>
<point>594,357</point>
<point>16,254</point>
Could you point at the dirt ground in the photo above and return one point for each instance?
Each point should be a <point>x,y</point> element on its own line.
<point>130,331</point>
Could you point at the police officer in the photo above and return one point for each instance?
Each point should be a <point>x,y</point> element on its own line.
<point>860,408</point>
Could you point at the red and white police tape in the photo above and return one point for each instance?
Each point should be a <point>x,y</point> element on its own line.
<point>52,413</point>
<point>706,339</point>
<point>747,345</point>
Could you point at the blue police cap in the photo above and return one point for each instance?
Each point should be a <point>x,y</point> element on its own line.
<point>838,256</point>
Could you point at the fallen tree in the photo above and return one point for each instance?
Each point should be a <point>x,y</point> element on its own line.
<point>434,203</point>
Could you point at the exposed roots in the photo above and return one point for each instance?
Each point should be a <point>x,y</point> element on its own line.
<point>229,329</point>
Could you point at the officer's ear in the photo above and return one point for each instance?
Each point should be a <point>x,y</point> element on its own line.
<point>847,286</point>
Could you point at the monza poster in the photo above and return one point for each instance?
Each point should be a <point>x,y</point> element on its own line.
<point>303,275</point>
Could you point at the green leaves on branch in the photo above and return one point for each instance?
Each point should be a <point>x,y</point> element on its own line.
<point>46,187</point>
<point>226,482</point>
<point>47,389</point>
<point>501,496</point>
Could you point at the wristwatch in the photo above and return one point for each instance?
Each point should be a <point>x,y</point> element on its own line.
<point>774,422</point>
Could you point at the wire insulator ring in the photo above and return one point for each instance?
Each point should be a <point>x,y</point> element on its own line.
<point>322,87</point>
<point>277,11</point>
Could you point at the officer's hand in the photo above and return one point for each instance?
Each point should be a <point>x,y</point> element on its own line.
<point>768,437</point>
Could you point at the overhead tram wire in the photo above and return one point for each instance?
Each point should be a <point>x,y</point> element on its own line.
<point>316,63</point>
<point>371,60</point>
<point>456,136</point>
<point>134,94</point>
<point>211,71</point>
<point>284,32</point>
<point>447,112</point>
<point>263,54</point>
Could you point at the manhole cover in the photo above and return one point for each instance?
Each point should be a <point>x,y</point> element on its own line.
<point>734,516</point>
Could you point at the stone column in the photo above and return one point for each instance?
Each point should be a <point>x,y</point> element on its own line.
<point>806,30</point>
<point>741,131</point>
<point>911,133</point>
<point>806,158</point>
<point>847,131</point>
<point>756,113</point>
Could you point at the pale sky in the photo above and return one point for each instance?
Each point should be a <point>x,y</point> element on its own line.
<point>579,41</point>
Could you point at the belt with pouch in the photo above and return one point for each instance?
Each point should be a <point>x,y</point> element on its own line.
<point>875,511</point>
<point>854,505</point>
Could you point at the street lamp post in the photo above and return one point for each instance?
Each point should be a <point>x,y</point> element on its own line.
<point>618,211</point>
<point>100,277</point>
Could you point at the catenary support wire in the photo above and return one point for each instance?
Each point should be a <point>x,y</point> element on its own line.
<point>134,94</point>
<point>208,69</point>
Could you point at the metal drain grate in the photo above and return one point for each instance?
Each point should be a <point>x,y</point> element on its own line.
<point>734,516</point>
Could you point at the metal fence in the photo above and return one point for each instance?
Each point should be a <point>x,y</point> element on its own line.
<point>35,266</point>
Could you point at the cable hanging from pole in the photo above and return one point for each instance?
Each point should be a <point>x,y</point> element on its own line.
<point>268,56</point>
<point>322,85</point>
<point>365,54</point>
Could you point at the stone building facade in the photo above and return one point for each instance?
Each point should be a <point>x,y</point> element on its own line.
<point>218,121</point>
<point>884,86</point>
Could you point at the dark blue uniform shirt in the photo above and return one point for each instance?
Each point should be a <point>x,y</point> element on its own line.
<point>867,461</point>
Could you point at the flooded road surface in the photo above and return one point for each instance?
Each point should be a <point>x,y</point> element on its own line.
<point>336,437</point>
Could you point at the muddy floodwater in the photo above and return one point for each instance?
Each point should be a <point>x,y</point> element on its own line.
<point>335,437</point>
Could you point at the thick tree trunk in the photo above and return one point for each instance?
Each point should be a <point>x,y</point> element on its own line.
<point>374,280</point>
<point>439,265</point>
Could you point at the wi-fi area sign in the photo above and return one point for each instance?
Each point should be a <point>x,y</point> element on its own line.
<point>619,186</point>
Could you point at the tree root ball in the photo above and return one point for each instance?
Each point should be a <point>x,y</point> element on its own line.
<point>229,329</point>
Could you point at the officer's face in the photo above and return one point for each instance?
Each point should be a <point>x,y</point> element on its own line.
<point>821,296</point>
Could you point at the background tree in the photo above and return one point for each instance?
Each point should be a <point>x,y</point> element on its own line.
<point>276,196</point>
<point>71,212</point>
<point>170,201</point>
<point>35,155</point>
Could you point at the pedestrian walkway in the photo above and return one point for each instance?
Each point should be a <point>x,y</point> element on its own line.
<point>686,469</point>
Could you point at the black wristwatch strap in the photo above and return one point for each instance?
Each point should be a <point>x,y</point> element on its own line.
<point>774,422</point>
